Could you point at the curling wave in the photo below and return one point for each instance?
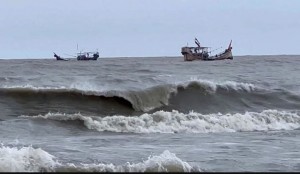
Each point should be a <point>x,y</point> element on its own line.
<point>201,96</point>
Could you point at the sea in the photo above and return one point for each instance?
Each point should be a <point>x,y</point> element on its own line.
<point>150,114</point>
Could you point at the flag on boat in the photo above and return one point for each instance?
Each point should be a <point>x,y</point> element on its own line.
<point>197,42</point>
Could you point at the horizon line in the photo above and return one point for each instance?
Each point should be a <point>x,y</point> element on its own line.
<point>158,56</point>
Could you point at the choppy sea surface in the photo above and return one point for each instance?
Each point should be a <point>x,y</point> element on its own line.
<point>150,114</point>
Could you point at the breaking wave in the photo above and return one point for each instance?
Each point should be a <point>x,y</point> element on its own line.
<point>176,122</point>
<point>193,95</point>
<point>29,159</point>
<point>25,159</point>
<point>165,162</point>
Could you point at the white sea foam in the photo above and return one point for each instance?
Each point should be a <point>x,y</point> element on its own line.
<point>86,86</point>
<point>29,159</point>
<point>89,87</point>
<point>28,87</point>
<point>25,159</point>
<point>165,162</point>
<point>31,87</point>
<point>176,122</point>
<point>214,85</point>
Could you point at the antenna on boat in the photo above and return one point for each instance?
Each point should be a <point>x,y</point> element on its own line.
<point>77,47</point>
<point>229,46</point>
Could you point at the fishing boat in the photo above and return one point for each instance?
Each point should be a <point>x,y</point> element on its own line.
<point>88,55</point>
<point>81,56</point>
<point>203,53</point>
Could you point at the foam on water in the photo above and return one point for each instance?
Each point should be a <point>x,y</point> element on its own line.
<point>25,159</point>
<point>212,86</point>
<point>192,122</point>
<point>29,159</point>
<point>165,162</point>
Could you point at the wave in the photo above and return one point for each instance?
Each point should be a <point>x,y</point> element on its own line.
<point>29,159</point>
<point>197,95</point>
<point>176,122</point>
<point>4,79</point>
<point>25,159</point>
<point>143,100</point>
<point>165,162</point>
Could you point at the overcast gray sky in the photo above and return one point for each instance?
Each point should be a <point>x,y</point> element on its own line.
<point>124,28</point>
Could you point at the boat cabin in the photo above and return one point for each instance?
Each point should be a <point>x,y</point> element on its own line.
<point>197,52</point>
<point>88,55</point>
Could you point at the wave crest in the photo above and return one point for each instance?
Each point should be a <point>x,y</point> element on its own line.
<point>211,86</point>
<point>25,159</point>
<point>176,122</point>
<point>165,162</point>
<point>140,100</point>
<point>29,159</point>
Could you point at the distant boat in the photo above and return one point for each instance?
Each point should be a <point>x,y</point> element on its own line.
<point>88,55</point>
<point>202,53</point>
<point>59,58</point>
<point>81,56</point>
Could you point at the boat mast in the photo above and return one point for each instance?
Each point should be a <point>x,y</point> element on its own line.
<point>229,46</point>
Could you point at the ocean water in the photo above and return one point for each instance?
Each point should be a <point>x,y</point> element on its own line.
<point>150,114</point>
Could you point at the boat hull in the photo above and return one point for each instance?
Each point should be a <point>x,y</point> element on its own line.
<point>87,59</point>
<point>189,56</point>
<point>222,56</point>
<point>84,56</point>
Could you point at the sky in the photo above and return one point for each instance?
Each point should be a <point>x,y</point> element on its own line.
<point>147,28</point>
